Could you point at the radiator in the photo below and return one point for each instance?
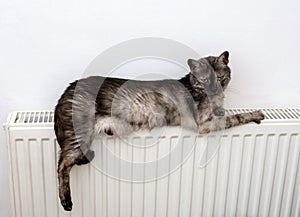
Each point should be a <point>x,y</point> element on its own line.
<point>251,170</point>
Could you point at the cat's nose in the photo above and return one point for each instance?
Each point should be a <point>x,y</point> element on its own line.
<point>214,89</point>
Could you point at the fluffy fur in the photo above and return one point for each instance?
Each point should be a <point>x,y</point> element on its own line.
<point>113,106</point>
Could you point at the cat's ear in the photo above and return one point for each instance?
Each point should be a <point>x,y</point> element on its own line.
<point>223,58</point>
<point>193,64</point>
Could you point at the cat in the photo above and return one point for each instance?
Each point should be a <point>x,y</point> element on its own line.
<point>115,107</point>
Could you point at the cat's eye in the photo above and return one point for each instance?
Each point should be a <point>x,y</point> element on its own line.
<point>204,80</point>
<point>220,78</point>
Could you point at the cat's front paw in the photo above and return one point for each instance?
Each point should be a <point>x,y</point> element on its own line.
<point>204,130</point>
<point>257,116</point>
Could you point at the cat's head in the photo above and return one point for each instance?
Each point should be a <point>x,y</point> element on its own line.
<point>203,78</point>
<point>222,70</point>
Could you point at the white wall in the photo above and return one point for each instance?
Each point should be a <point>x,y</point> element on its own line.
<point>46,44</point>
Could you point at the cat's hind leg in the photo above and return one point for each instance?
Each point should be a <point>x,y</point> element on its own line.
<point>85,158</point>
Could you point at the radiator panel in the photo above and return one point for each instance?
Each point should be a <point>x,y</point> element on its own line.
<point>254,172</point>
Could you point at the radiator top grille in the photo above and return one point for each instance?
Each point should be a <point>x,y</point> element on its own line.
<point>34,117</point>
<point>39,117</point>
<point>273,113</point>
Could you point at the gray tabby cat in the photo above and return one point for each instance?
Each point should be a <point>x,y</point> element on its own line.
<point>114,107</point>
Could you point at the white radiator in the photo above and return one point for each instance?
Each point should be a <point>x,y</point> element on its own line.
<point>254,172</point>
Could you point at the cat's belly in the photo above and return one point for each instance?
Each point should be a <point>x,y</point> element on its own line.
<point>122,124</point>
